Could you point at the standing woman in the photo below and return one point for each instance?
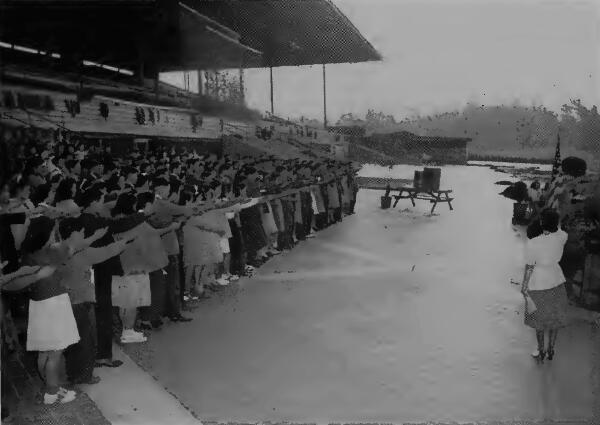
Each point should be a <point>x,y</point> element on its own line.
<point>544,283</point>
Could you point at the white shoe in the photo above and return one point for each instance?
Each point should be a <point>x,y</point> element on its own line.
<point>310,235</point>
<point>50,399</point>
<point>222,281</point>
<point>66,396</point>
<point>234,277</point>
<point>131,333</point>
<point>129,336</point>
<point>133,340</point>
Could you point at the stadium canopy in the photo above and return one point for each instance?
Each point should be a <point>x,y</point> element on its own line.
<point>152,36</point>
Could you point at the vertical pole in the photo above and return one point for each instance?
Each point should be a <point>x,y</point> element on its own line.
<point>242,88</point>
<point>156,84</point>
<point>141,72</point>
<point>271,75</point>
<point>324,98</point>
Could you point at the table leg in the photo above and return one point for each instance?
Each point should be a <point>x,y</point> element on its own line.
<point>449,202</point>
<point>437,199</point>
<point>398,198</point>
<point>412,198</point>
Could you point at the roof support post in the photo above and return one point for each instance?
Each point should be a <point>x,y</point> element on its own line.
<point>271,78</point>
<point>141,72</point>
<point>324,98</point>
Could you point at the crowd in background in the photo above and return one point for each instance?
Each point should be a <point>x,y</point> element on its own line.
<point>85,233</point>
<point>575,195</point>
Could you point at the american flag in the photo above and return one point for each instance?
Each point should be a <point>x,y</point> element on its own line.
<point>555,181</point>
<point>557,161</point>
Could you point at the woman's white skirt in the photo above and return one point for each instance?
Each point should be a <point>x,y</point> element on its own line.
<point>225,245</point>
<point>268,221</point>
<point>131,291</point>
<point>51,324</point>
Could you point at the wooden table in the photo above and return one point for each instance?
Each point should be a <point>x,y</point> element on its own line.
<point>433,196</point>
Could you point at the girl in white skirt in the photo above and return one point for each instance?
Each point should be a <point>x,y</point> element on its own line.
<point>131,289</point>
<point>51,325</point>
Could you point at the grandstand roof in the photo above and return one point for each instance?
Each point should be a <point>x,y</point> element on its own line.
<point>188,34</point>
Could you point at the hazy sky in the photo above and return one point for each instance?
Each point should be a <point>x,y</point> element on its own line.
<point>438,55</point>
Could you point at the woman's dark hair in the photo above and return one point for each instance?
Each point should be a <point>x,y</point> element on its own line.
<point>17,186</point>
<point>40,193</point>
<point>125,204</point>
<point>535,185</point>
<point>160,181</point>
<point>112,183</point>
<point>185,196</point>
<point>109,166</point>
<point>141,180</point>
<point>38,234</point>
<point>549,220</point>
<point>70,164</point>
<point>175,185</point>
<point>93,194</point>
<point>573,166</point>
<point>64,190</point>
<point>69,225</point>
<point>143,199</point>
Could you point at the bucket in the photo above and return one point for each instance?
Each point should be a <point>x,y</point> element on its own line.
<point>431,178</point>
<point>386,202</point>
<point>418,179</point>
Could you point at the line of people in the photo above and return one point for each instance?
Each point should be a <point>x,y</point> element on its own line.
<point>83,233</point>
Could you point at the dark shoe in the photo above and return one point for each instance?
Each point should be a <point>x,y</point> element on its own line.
<point>180,318</point>
<point>156,324</point>
<point>91,381</point>
<point>108,363</point>
<point>550,354</point>
<point>144,326</point>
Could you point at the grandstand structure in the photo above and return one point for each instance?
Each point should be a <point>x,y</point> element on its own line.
<point>91,68</point>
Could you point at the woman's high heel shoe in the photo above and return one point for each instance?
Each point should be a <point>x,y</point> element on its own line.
<point>539,356</point>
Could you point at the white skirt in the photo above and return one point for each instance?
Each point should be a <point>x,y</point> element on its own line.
<point>131,291</point>
<point>51,324</point>
<point>225,245</point>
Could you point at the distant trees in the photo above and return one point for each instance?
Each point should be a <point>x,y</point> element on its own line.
<point>512,129</point>
<point>581,125</point>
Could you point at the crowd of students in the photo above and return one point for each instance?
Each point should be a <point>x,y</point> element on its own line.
<point>83,232</point>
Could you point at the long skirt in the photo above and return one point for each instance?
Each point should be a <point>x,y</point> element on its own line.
<point>51,325</point>
<point>131,291</point>
<point>552,309</point>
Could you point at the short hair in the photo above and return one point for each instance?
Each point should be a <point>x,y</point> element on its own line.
<point>573,166</point>
<point>549,219</point>
<point>160,181</point>
<point>143,199</point>
<point>38,234</point>
<point>125,204</point>
<point>70,164</point>
<point>142,179</point>
<point>64,190</point>
<point>91,195</point>
<point>129,170</point>
<point>69,225</point>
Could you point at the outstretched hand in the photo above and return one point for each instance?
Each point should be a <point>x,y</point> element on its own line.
<point>100,233</point>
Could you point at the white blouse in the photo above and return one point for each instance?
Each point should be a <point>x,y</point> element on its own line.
<point>544,252</point>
